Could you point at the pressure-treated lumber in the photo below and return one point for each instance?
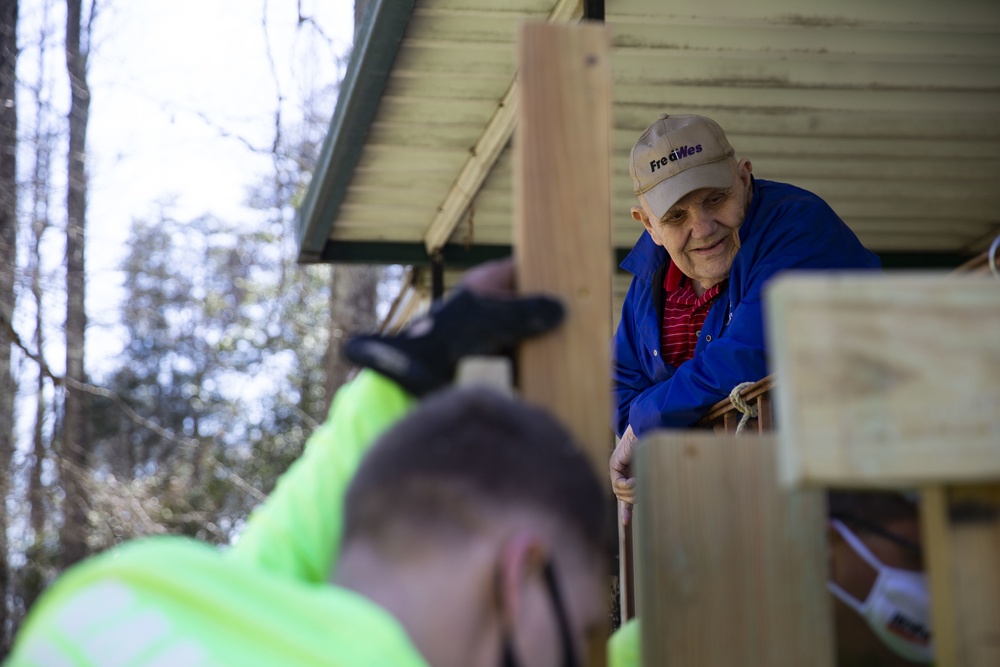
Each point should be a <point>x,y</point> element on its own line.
<point>892,381</point>
<point>939,562</point>
<point>732,568</point>
<point>961,538</point>
<point>976,577</point>
<point>886,380</point>
<point>562,230</point>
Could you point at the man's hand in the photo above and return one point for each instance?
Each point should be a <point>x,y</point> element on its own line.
<point>622,482</point>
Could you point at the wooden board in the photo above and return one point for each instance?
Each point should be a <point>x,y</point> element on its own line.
<point>961,536</point>
<point>732,568</point>
<point>562,228</point>
<point>976,576</point>
<point>886,380</point>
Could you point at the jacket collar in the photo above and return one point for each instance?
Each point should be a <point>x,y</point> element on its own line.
<point>751,211</point>
<point>645,258</point>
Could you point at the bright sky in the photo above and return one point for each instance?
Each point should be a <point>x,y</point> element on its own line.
<point>158,70</point>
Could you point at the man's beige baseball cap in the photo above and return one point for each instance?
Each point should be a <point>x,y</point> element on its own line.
<point>677,155</point>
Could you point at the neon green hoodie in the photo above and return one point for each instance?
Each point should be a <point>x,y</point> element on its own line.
<point>172,601</point>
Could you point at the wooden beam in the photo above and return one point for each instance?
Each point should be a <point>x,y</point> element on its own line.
<point>562,230</point>
<point>975,544</point>
<point>886,380</point>
<point>961,536</point>
<point>939,559</point>
<point>892,381</point>
<point>562,235</point>
<point>732,568</point>
<point>485,153</point>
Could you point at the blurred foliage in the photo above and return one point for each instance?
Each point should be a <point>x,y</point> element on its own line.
<point>226,368</point>
<point>224,351</point>
<point>227,361</point>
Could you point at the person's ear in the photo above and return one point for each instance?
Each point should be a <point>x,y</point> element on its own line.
<point>639,215</point>
<point>521,559</point>
<point>744,169</point>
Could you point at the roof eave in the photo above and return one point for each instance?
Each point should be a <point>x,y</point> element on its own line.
<point>375,46</point>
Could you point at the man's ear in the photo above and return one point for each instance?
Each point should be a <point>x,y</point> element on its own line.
<point>639,215</point>
<point>521,558</point>
<point>744,169</point>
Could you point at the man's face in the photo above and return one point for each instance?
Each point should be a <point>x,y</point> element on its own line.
<point>701,231</point>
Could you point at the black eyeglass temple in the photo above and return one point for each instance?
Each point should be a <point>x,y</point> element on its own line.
<point>565,636</point>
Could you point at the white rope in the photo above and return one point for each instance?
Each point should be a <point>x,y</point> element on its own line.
<point>748,411</point>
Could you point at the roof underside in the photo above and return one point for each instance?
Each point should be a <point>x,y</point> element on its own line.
<point>888,110</point>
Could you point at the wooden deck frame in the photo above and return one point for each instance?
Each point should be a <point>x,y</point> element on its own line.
<point>732,567</point>
<point>913,361</point>
<point>562,228</point>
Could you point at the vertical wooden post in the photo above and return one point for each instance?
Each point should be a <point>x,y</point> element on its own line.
<point>732,568</point>
<point>890,382</point>
<point>937,548</point>
<point>562,230</point>
<point>961,538</point>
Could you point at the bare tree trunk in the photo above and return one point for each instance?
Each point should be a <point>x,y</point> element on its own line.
<point>36,491</point>
<point>353,295</point>
<point>32,576</point>
<point>75,445</point>
<point>8,264</point>
<point>42,140</point>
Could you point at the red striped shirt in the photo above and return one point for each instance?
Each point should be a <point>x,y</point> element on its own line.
<point>684,314</point>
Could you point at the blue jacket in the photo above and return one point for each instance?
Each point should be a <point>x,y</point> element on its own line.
<point>786,227</point>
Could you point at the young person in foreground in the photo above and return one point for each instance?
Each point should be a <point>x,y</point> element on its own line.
<point>407,535</point>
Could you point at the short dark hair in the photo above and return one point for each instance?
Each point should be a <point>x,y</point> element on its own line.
<point>467,451</point>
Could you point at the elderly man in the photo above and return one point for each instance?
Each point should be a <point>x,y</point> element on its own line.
<point>406,535</point>
<point>691,326</point>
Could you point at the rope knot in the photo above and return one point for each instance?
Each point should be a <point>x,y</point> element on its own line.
<point>748,411</point>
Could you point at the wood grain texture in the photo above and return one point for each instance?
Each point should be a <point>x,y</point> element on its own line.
<point>939,562</point>
<point>562,229</point>
<point>886,380</point>
<point>961,537</point>
<point>732,569</point>
<point>976,577</point>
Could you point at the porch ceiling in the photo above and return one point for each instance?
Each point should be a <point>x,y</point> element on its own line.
<point>889,110</point>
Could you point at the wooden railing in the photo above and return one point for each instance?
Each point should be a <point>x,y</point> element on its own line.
<point>723,417</point>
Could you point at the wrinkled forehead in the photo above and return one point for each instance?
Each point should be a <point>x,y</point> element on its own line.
<point>696,197</point>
